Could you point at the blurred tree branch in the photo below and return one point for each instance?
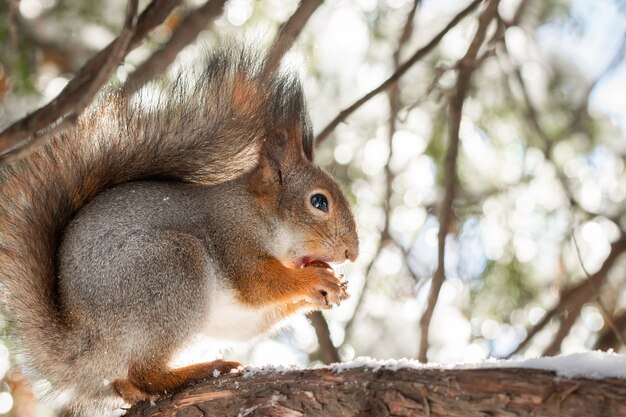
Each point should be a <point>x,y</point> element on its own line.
<point>466,67</point>
<point>61,112</point>
<point>185,33</point>
<point>569,312</point>
<point>605,313</point>
<point>288,33</point>
<point>572,299</point>
<point>572,313</point>
<point>417,56</point>
<point>327,351</point>
<point>196,21</point>
<point>394,108</point>
<point>574,123</point>
<point>580,115</point>
<point>13,25</point>
<point>607,338</point>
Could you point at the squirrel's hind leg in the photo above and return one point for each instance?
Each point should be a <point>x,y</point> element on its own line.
<point>150,380</point>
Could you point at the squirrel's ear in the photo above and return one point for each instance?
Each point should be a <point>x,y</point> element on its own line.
<point>279,153</point>
<point>267,176</point>
<point>286,148</point>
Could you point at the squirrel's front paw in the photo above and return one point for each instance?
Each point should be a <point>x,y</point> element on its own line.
<point>328,288</point>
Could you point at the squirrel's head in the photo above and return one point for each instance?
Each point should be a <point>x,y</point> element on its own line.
<point>308,215</point>
<point>314,222</point>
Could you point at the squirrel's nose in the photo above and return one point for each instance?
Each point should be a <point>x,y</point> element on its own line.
<point>351,254</point>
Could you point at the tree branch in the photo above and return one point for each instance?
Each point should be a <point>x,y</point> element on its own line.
<point>571,315</point>
<point>605,314</point>
<point>466,67</point>
<point>497,392</point>
<point>611,323</point>
<point>572,311</point>
<point>394,108</point>
<point>573,298</point>
<point>418,55</point>
<point>13,26</point>
<point>327,350</point>
<point>608,339</point>
<point>65,108</point>
<point>185,33</point>
<point>288,33</point>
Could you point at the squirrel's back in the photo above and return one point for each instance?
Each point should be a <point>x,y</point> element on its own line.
<point>204,131</point>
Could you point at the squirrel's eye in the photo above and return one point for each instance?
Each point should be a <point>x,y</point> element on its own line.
<point>320,202</point>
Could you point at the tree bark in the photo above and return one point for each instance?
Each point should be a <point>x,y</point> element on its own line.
<point>494,392</point>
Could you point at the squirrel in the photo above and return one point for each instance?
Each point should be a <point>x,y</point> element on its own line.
<point>160,217</point>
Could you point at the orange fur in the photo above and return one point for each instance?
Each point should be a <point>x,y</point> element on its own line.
<point>273,283</point>
<point>155,378</point>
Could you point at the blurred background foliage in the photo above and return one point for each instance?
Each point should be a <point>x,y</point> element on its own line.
<point>540,166</point>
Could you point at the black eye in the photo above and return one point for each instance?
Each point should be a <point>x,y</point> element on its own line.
<point>320,202</point>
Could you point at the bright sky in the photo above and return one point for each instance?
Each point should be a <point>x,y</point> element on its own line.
<point>591,41</point>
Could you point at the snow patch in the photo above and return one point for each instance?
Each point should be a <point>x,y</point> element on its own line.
<point>250,371</point>
<point>593,365</point>
<point>378,364</point>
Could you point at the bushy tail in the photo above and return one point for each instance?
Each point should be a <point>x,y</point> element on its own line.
<point>206,130</point>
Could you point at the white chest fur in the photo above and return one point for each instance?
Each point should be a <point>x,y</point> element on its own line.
<point>231,320</point>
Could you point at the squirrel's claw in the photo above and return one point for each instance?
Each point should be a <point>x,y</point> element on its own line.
<point>329,289</point>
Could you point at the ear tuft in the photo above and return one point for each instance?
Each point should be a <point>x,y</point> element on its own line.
<point>246,95</point>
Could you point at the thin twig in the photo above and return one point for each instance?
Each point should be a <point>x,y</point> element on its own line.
<point>328,352</point>
<point>581,114</point>
<point>466,67</point>
<point>569,319</point>
<point>349,327</point>
<point>288,33</point>
<point>13,31</point>
<point>607,338</point>
<point>418,55</point>
<point>439,72</point>
<point>532,116</point>
<point>606,315</point>
<point>574,311</point>
<point>74,97</point>
<point>579,294</point>
<point>394,107</point>
<point>186,32</point>
<point>603,310</point>
<point>517,17</point>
